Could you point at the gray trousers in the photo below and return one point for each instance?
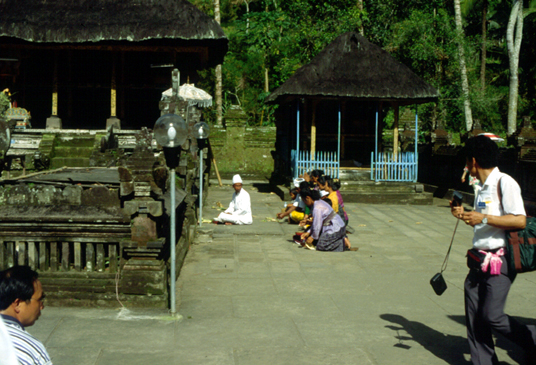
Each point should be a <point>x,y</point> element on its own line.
<point>485,297</point>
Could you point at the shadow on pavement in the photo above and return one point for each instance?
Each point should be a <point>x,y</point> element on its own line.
<point>515,352</point>
<point>269,188</point>
<point>446,347</point>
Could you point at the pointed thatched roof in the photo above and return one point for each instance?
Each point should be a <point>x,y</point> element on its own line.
<point>79,21</point>
<point>352,67</point>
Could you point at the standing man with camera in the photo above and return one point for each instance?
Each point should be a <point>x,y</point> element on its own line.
<point>498,207</point>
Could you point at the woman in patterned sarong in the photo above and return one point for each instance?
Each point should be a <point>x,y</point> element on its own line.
<point>327,230</point>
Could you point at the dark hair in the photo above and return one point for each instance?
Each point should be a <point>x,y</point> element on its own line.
<point>304,185</point>
<point>328,200</point>
<point>16,282</point>
<point>317,173</point>
<point>336,185</point>
<point>483,149</point>
<point>306,192</point>
<point>293,191</point>
<point>326,179</point>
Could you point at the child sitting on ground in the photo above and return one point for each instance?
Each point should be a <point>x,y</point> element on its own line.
<point>289,207</point>
<point>295,211</point>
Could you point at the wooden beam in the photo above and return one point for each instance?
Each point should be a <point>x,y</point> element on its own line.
<point>395,132</point>
<point>313,131</point>
<point>55,86</point>
<point>343,135</point>
<point>113,91</point>
<point>380,127</point>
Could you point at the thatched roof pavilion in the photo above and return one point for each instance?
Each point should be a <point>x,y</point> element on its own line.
<point>85,54</point>
<point>350,70</point>
<point>117,24</point>
<point>352,67</point>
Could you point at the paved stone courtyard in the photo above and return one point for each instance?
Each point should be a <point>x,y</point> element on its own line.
<point>249,295</point>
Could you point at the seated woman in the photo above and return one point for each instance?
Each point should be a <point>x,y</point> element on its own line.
<point>326,184</point>
<point>342,212</point>
<point>327,229</point>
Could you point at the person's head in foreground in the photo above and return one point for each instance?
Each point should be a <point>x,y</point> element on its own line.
<point>480,152</point>
<point>21,294</point>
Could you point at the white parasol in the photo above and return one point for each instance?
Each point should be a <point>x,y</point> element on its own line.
<point>192,94</point>
<point>492,136</point>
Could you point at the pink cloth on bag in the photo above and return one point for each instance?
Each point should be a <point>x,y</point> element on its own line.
<point>493,261</point>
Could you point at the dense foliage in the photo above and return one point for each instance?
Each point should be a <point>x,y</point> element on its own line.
<point>270,39</point>
<point>4,101</point>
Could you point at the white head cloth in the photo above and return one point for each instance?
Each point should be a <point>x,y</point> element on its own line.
<point>297,182</point>
<point>323,193</point>
<point>237,179</point>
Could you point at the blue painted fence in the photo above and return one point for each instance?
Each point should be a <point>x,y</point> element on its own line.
<point>301,162</point>
<point>385,168</point>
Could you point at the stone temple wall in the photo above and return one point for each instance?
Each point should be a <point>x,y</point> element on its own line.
<point>239,149</point>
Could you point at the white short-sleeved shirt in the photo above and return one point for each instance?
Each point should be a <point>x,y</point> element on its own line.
<point>7,351</point>
<point>487,201</point>
<point>28,349</point>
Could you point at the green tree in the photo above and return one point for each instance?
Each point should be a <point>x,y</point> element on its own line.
<point>5,102</point>
<point>514,37</point>
<point>463,67</point>
<point>270,40</point>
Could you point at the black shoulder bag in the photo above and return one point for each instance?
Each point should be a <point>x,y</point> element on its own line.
<point>438,282</point>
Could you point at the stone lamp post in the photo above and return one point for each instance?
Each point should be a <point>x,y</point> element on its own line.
<point>201,133</point>
<point>170,132</point>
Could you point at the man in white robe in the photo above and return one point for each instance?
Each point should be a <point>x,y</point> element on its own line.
<point>239,211</point>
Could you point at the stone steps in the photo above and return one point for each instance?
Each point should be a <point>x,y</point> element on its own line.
<point>371,192</point>
<point>378,187</point>
<point>388,198</point>
<point>72,151</point>
<point>60,151</point>
<point>58,162</point>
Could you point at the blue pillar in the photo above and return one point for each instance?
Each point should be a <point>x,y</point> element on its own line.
<point>297,137</point>
<point>339,144</point>
<point>416,145</point>
<point>376,144</point>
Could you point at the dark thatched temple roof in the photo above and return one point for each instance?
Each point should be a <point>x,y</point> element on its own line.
<point>353,68</point>
<point>81,21</point>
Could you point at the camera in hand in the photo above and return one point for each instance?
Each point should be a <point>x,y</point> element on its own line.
<point>457,199</point>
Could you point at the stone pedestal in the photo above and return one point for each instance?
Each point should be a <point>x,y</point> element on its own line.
<point>53,122</point>
<point>525,140</point>
<point>477,129</point>
<point>116,122</point>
